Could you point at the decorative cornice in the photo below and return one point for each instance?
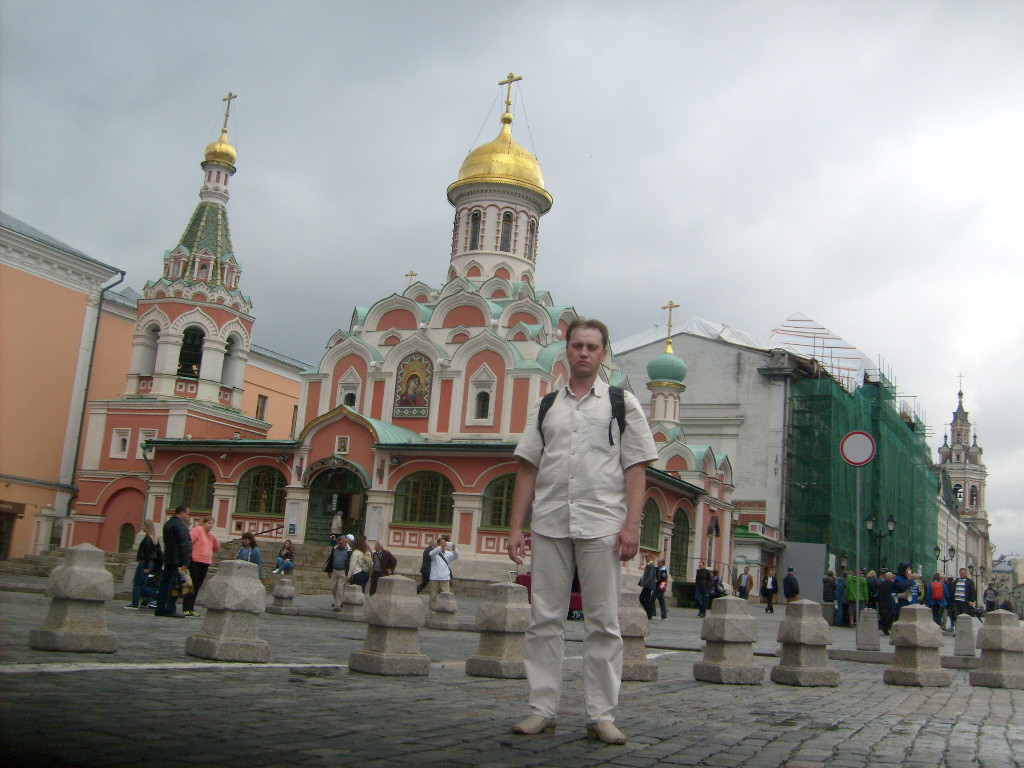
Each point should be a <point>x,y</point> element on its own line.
<point>51,264</point>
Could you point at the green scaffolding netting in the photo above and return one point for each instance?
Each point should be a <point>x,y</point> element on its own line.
<point>899,481</point>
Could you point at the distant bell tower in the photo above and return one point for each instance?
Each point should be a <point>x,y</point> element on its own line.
<point>499,198</point>
<point>960,458</point>
<point>194,326</point>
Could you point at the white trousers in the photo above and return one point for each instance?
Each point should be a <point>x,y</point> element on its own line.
<point>600,570</point>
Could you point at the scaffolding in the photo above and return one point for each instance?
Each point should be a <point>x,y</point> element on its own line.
<point>821,501</point>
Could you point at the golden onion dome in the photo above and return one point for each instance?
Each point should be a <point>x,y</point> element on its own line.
<point>503,161</point>
<point>221,151</point>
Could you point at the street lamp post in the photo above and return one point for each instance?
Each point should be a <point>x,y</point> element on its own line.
<point>951,552</point>
<point>870,524</point>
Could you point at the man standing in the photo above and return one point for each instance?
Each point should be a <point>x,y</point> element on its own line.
<point>585,481</point>
<point>384,564</point>
<point>745,582</point>
<point>440,570</point>
<point>790,586</point>
<point>964,595</point>
<point>701,583</point>
<point>177,553</point>
<point>337,566</point>
<point>648,586</point>
<point>425,565</point>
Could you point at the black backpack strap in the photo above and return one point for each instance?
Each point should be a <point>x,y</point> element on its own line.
<point>618,402</point>
<point>545,405</point>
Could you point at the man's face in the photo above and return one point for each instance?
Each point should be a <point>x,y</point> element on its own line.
<point>746,570</point>
<point>585,351</point>
<point>963,573</point>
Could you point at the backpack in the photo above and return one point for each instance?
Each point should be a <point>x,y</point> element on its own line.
<point>618,402</point>
<point>938,591</point>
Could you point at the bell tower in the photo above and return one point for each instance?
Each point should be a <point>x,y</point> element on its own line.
<point>194,326</point>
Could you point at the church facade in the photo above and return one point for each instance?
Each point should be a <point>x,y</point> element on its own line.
<point>408,423</point>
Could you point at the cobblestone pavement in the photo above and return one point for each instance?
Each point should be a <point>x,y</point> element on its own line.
<point>150,705</point>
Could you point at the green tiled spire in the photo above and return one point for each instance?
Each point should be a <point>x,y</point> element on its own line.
<point>208,230</point>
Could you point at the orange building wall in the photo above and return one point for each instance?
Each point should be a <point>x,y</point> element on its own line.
<point>282,397</point>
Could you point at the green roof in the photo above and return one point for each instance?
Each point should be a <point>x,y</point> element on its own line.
<point>208,231</point>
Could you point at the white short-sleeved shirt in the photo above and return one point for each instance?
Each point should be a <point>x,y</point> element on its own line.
<point>581,482</point>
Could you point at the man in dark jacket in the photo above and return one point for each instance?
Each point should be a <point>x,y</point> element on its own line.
<point>384,564</point>
<point>177,553</point>
<point>425,565</point>
<point>965,593</point>
<point>790,586</point>
<point>701,583</point>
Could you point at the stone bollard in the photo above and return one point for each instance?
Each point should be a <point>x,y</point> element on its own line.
<point>234,599</point>
<point>867,631</point>
<point>78,589</point>
<point>392,646</point>
<point>502,621</point>
<point>805,637</point>
<point>730,635</point>
<point>1001,640</point>
<point>353,603</point>
<point>284,594</point>
<point>443,616</point>
<point>634,627</point>
<point>918,640</point>
<point>963,636</point>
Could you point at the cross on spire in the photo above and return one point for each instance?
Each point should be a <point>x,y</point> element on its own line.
<point>668,338</point>
<point>512,78</point>
<point>410,274</point>
<point>227,109</point>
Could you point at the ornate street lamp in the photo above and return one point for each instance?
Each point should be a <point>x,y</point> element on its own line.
<point>951,552</point>
<point>870,524</point>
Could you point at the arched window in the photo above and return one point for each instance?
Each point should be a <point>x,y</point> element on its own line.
<point>190,360</point>
<point>680,546</point>
<point>958,491</point>
<point>974,496</point>
<point>193,487</point>
<point>126,538</point>
<point>350,399</point>
<point>506,232</point>
<point>650,529</point>
<point>474,231</point>
<point>483,404</point>
<point>424,497</point>
<point>261,492</point>
<point>497,502</point>
<point>148,344</point>
<point>234,366</point>
<point>531,239</point>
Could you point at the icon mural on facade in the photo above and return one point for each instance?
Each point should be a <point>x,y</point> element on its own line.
<point>412,388</point>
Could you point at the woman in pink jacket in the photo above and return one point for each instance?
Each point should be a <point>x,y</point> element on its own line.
<point>204,544</point>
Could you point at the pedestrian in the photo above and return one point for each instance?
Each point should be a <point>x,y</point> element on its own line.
<point>148,559</point>
<point>425,565</point>
<point>360,564</point>
<point>770,588</point>
<point>384,564</point>
<point>828,592</point>
<point>585,481</point>
<point>204,544</point>
<point>440,570</point>
<point>285,558</point>
<point>991,597</point>
<point>250,552</point>
<point>716,588</point>
<point>744,583</point>
<point>905,588</point>
<point>659,594</point>
<point>872,589</point>
<point>701,584</point>
<point>648,586</point>
<point>177,554</point>
<point>337,566</point>
<point>790,586</point>
<point>337,526</point>
<point>964,595</point>
<point>842,612</point>
<point>856,594</point>
<point>936,597</point>
<point>885,601</point>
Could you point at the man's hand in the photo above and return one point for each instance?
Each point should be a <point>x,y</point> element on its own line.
<point>628,542</point>
<point>516,547</point>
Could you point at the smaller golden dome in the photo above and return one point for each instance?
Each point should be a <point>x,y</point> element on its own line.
<point>503,160</point>
<point>221,151</point>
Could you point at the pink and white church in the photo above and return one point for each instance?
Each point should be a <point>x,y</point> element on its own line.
<point>406,426</point>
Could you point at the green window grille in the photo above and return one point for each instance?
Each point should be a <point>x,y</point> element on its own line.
<point>426,498</point>
<point>680,546</point>
<point>261,492</point>
<point>497,504</point>
<point>193,487</point>
<point>650,528</point>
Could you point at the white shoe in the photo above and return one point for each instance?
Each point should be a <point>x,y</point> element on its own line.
<point>535,724</point>
<point>276,570</point>
<point>605,730</point>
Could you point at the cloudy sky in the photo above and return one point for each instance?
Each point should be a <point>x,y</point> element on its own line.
<point>861,163</point>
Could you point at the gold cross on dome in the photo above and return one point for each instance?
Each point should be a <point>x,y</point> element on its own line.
<point>512,78</point>
<point>410,274</point>
<point>227,109</point>
<point>668,338</point>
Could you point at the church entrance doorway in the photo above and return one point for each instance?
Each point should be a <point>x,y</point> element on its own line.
<point>330,492</point>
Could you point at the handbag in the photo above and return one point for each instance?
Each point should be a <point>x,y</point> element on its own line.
<point>663,585</point>
<point>183,583</point>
